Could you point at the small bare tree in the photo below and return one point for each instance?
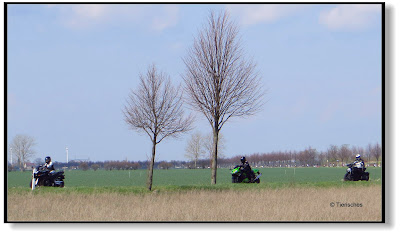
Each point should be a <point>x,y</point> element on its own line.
<point>165,165</point>
<point>344,153</point>
<point>376,152</point>
<point>22,146</point>
<point>333,152</point>
<point>156,108</point>
<point>195,148</point>
<point>219,81</point>
<point>95,167</point>
<point>84,166</point>
<point>308,156</point>
<point>369,152</point>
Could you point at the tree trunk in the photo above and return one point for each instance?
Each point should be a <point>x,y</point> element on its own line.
<point>214,157</point>
<point>21,165</point>
<point>150,175</point>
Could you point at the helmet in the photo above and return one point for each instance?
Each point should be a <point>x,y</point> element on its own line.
<point>47,159</point>
<point>358,156</point>
<point>243,159</point>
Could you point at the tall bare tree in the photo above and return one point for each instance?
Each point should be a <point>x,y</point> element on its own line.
<point>195,148</point>
<point>22,147</point>
<point>220,82</point>
<point>156,108</point>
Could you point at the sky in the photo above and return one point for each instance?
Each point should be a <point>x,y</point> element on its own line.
<point>71,68</point>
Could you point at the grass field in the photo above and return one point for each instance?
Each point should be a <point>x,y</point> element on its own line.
<point>285,194</point>
<point>193,177</point>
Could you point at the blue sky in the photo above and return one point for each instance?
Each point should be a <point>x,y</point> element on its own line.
<point>71,67</point>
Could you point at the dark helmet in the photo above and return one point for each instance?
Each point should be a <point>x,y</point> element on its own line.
<point>243,159</point>
<point>47,159</point>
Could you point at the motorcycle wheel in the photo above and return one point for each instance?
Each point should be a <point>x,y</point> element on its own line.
<point>365,176</point>
<point>347,177</point>
<point>235,179</point>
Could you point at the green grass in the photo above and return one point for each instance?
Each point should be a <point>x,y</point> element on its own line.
<point>189,179</point>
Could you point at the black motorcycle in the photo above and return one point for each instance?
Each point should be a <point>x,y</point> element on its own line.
<point>43,177</point>
<point>355,172</point>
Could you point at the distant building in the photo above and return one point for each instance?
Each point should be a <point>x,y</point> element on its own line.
<point>29,166</point>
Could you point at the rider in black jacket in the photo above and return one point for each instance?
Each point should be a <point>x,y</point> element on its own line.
<point>359,160</point>
<point>48,164</point>
<point>245,167</point>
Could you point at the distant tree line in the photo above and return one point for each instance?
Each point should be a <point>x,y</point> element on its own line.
<point>118,165</point>
<point>333,156</point>
<point>309,157</point>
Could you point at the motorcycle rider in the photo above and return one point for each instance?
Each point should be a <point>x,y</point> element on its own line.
<point>356,170</point>
<point>359,160</point>
<point>245,167</point>
<point>48,164</point>
<point>359,165</point>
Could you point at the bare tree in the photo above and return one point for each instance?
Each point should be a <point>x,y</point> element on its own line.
<point>156,108</point>
<point>165,165</point>
<point>333,152</point>
<point>344,153</point>
<point>84,166</point>
<point>369,152</point>
<point>95,167</point>
<point>22,146</point>
<point>322,158</point>
<point>195,148</point>
<point>219,81</point>
<point>376,152</point>
<point>310,154</point>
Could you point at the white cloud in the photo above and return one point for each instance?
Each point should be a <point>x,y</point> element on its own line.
<point>350,16</point>
<point>267,13</point>
<point>83,16</point>
<point>168,18</point>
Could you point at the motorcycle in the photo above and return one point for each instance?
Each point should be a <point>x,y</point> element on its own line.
<point>43,177</point>
<point>355,172</point>
<point>239,176</point>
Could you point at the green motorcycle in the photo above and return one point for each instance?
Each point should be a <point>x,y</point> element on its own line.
<point>239,176</point>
